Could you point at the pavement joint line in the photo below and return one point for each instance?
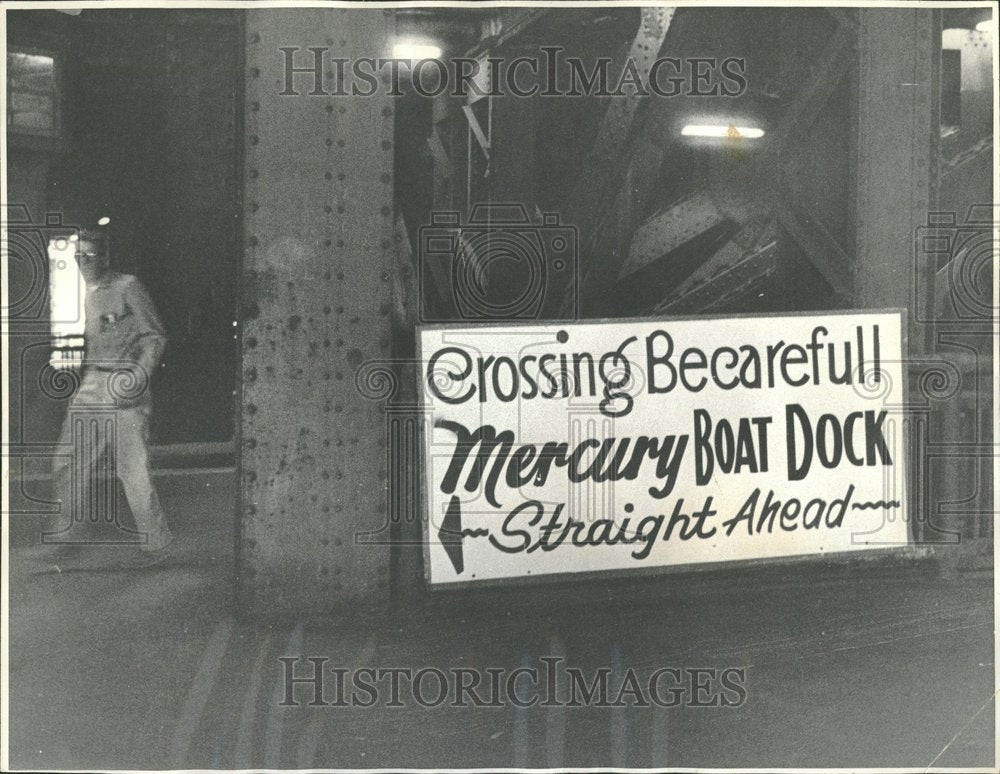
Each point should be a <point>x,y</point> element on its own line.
<point>275,727</point>
<point>965,725</point>
<point>555,720</point>
<point>199,691</point>
<point>245,734</point>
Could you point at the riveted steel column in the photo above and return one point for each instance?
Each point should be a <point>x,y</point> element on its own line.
<point>315,305</point>
<point>898,131</point>
<point>896,138</point>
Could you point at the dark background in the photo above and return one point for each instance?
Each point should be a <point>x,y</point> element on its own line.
<point>150,127</point>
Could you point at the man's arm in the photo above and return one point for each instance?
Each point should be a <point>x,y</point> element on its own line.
<point>150,333</point>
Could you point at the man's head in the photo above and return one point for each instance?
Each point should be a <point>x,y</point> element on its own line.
<point>92,255</point>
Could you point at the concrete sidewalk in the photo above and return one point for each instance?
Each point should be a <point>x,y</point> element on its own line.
<point>148,668</point>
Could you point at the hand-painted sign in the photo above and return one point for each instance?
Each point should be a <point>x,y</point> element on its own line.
<point>614,445</point>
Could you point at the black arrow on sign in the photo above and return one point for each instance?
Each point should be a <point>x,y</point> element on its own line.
<point>450,535</point>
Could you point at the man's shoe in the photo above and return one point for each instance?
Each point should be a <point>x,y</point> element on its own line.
<point>53,557</point>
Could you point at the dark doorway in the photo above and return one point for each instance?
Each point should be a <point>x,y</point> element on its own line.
<point>150,136</point>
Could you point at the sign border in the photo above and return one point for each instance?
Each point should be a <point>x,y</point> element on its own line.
<point>635,573</point>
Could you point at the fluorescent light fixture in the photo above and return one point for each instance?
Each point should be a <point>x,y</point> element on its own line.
<point>721,131</point>
<point>985,25</point>
<point>104,221</point>
<point>415,50</point>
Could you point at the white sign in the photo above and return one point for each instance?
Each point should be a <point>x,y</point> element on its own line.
<point>619,445</point>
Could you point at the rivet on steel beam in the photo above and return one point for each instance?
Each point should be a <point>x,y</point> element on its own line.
<point>254,174</point>
<point>340,143</point>
<point>255,106</point>
<point>341,176</point>
<point>328,175</point>
<point>327,209</point>
<point>255,37</point>
<point>341,209</point>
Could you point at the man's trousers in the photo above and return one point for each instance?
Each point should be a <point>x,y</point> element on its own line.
<point>96,428</point>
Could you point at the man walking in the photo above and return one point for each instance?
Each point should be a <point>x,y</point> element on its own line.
<point>124,341</point>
